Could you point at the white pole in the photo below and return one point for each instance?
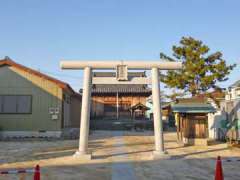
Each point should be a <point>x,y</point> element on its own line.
<point>158,129</point>
<point>85,113</point>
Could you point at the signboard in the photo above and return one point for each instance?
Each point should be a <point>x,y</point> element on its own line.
<point>122,73</point>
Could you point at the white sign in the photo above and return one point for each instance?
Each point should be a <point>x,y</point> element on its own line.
<point>122,73</point>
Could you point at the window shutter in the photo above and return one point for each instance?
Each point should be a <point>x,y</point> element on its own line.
<point>24,104</point>
<point>10,104</point>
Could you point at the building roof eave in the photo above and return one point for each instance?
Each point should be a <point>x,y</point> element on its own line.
<point>61,84</point>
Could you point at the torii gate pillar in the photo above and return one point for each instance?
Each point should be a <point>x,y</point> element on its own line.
<point>158,125</point>
<point>85,114</point>
<point>154,66</point>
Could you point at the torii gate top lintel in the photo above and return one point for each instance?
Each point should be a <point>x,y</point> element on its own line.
<point>145,65</point>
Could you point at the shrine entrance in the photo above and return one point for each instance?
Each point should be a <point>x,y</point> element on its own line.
<point>115,104</point>
<point>121,77</point>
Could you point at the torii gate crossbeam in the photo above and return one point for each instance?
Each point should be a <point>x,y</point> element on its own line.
<point>88,66</point>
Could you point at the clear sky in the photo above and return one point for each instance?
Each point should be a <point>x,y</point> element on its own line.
<point>39,33</point>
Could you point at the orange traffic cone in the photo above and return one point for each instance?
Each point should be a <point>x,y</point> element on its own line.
<point>219,171</point>
<point>37,173</point>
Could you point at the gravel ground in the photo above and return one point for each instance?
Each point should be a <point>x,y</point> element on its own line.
<point>113,153</point>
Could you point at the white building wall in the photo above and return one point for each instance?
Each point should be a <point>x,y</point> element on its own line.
<point>214,124</point>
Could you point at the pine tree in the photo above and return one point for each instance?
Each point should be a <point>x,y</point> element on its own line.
<point>202,71</point>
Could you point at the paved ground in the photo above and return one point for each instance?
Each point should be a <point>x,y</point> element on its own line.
<point>118,155</point>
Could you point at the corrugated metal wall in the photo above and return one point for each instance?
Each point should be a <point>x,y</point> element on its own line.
<point>45,95</point>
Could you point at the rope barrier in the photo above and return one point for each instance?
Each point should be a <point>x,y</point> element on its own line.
<point>231,160</point>
<point>35,171</point>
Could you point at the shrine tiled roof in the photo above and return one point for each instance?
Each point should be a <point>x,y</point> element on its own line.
<point>193,108</point>
<point>121,88</point>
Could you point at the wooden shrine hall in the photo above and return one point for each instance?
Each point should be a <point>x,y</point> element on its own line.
<point>119,101</point>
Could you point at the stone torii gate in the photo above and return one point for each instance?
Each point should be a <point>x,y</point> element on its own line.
<point>88,66</point>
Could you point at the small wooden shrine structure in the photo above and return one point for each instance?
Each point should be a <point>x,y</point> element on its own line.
<point>192,122</point>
